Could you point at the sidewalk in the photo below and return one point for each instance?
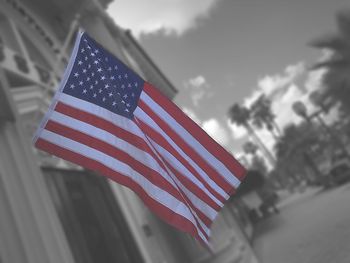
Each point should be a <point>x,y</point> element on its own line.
<point>272,224</point>
<point>298,196</point>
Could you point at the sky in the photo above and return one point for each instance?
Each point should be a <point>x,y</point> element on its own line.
<point>220,52</point>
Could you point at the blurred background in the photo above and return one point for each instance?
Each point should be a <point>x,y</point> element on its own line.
<point>268,80</point>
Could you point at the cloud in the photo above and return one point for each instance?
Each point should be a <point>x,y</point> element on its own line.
<point>216,131</point>
<point>212,126</point>
<point>166,16</point>
<point>282,90</point>
<point>197,81</point>
<point>271,85</point>
<point>238,132</point>
<point>198,89</point>
<point>190,113</point>
<point>282,106</point>
<point>314,80</point>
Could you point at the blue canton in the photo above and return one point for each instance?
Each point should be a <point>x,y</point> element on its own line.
<point>100,78</point>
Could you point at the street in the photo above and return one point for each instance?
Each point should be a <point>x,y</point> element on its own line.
<point>311,229</point>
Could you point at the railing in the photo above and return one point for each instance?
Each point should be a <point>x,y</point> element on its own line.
<point>28,70</point>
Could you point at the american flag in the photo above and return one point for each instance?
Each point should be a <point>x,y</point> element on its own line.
<point>106,118</point>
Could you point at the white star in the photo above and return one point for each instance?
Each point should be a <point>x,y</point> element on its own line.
<point>106,86</point>
<point>86,58</point>
<point>112,78</point>
<point>95,95</point>
<point>76,74</point>
<point>119,76</point>
<point>99,69</point>
<point>125,96</point>
<point>80,62</point>
<point>91,86</point>
<point>81,83</point>
<point>133,94</point>
<point>84,91</point>
<point>135,84</point>
<point>92,74</point>
<point>84,70</point>
<point>103,78</point>
<point>110,68</point>
<point>110,94</point>
<point>72,86</point>
<point>88,47</point>
<point>116,67</point>
<point>96,51</point>
<point>100,91</point>
<point>96,62</point>
<point>114,103</point>
<point>82,50</point>
<point>127,105</point>
<point>126,76</point>
<point>123,86</point>
<point>129,85</point>
<point>104,99</point>
<point>92,54</point>
<point>88,79</point>
<point>126,110</point>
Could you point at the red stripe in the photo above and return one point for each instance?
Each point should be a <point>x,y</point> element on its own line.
<point>218,179</point>
<point>190,185</point>
<point>107,126</point>
<point>162,211</point>
<point>102,124</point>
<point>212,146</point>
<point>152,175</point>
<point>117,131</point>
<point>116,153</point>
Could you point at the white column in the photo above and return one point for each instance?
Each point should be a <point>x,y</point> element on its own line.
<point>29,226</point>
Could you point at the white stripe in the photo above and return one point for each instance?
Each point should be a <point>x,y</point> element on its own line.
<point>191,141</point>
<point>102,135</point>
<point>158,194</point>
<point>140,114</point>
<point>184,171</point>
<point>101,113</point>
<point>187,192</point>
<point>136,153</point>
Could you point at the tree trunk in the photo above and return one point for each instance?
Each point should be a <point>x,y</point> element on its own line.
<point>269,155</point>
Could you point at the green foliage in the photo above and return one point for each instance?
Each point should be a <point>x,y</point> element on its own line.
<point>254,180</point>
<point>250,148</point>
<point>239,114</point>
<point>337,78</point>
<point>258,164</point>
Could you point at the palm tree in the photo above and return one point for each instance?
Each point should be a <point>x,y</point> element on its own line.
<point>317,99</point>
<point>294,146</point>
<point>262,115</point>
<point>250,148</point>
<point>337,77</point>
<point>240,115</point>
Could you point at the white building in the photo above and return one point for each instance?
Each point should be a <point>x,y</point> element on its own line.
<point>54,211</point>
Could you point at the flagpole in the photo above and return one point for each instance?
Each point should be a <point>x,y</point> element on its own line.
<point>73,26</point>
<point>56,67</point>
